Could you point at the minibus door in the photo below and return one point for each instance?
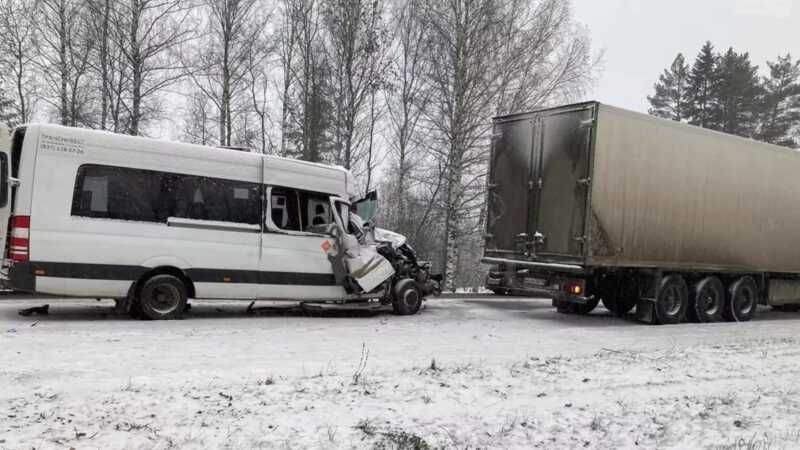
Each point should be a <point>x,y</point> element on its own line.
<point>6,185</point>
<point>360,260</point>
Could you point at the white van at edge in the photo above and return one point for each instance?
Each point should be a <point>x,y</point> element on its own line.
<point>150,223</point>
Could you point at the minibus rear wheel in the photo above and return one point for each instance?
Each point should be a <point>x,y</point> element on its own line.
<point>162,297</point>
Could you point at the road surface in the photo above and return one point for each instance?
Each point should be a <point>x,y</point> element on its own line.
<point>465,372</point>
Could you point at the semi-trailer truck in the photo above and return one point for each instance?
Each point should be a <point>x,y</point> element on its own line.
<point>589,203</point>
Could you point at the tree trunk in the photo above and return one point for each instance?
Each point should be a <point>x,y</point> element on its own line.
<point>62,55</point>
<point>104,65</point>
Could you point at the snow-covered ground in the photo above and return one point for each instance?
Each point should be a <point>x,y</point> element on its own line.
<point>464,373</point>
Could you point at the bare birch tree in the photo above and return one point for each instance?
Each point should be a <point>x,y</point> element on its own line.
<point>475,53</point>
<point>308,103</point>
<point>258,82</point>
<point>199,120</point>
<point>406,100</point>
<point>227,50</point>
<point>101,15</point>
<point>287,41</point>
<point>17,55</point>
<point>64,49</point>
<point>149,34</point>
<point>355,48</point>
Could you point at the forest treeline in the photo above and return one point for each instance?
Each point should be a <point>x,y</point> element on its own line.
<point>727,92</point>
<point>399,91</point>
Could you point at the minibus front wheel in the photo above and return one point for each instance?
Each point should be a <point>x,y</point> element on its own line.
<point>406,298</point>
<point>162,297</point>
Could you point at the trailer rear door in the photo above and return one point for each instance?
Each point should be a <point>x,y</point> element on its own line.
<point>558,215</point>
<point>509,186</point>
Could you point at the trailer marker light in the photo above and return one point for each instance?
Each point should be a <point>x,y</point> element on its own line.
<point>39,272</point>
<point>574,288</point>
<point>226,279</point>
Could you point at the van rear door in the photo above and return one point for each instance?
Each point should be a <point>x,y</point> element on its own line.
<point>5,186</point>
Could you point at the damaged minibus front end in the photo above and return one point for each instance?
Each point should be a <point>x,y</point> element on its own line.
<point>373,262</point>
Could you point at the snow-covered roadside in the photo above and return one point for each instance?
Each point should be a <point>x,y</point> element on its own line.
<point>706,396</point>
<point>493,372</point>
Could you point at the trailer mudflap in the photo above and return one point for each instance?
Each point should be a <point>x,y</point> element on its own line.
<point>646,311</point>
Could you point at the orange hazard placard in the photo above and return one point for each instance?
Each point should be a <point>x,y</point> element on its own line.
<point>326,246</point>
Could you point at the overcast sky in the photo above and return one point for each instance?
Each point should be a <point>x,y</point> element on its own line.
<point>641,37</point>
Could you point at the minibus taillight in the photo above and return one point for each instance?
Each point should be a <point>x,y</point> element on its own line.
<point>20,238</point>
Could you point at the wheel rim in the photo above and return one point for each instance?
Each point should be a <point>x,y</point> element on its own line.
<point>165,298</point>
<point>411,298</point>
<point>710,301</point>
<point>671,300</point>
<point>744,301</point>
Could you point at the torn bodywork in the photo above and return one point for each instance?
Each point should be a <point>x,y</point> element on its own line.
<point>375,263</point>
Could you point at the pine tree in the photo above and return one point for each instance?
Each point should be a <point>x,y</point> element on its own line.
<point>780,106</point>
<point>671,99</point>
<point>736,94</point>
<point>701,87</point>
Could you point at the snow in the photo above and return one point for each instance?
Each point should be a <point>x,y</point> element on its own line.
<point>465,373</point>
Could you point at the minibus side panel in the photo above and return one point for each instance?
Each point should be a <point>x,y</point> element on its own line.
<point>87,256</point>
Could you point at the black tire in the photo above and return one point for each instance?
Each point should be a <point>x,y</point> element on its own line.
<point>162,297</point>
<point>786,308</point>
<point>407,299</point>
<point>671,300</point>
<point>742,300</point>
<point>707,300</point>
<point>585,308</point>
<point>620,307</point>
<point>136,310</point>
<point>500,291</point>
<point>564,307</point>
<point>618,296</point>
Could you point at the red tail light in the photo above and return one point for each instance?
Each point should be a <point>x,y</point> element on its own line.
<point>19,248</point>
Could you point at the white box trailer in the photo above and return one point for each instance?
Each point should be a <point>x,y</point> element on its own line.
<point>95,214</point>
<point>590,202</point>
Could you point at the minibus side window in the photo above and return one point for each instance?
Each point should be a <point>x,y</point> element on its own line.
<point>316,211</point>
<point>296,210</point>
<point>117,193</point>
<point>152,196</point>
<point>284,209</point>
<point>204,198</point>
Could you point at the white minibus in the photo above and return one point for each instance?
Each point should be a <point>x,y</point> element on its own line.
<point>152,223</point>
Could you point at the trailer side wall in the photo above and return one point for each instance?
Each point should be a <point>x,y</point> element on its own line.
<point>670,195</point>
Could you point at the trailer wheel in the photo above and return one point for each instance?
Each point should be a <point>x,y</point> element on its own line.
<point>162,297</point>
<point>406,300</point>
<point>586,308</point>
<point>786,308</point>
<point>707,301</point>
<point>671,299</point>
<point>564,307</point>
<point>618,296</point>
<point>619,306</point>
<point>742,300</point>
